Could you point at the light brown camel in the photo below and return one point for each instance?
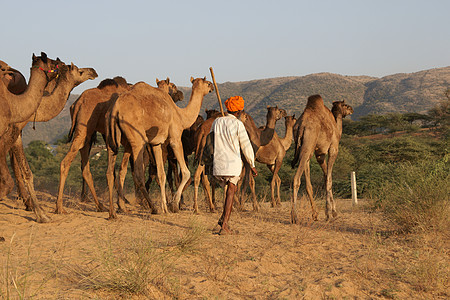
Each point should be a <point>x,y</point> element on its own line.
<point>88,114</point>
<point>263,140</point>
<point>318,132</point>
<point>51,105</point>
<point>148,115</point>
<point>88,118</point>
<point>20,107</point>
<point>271,154</point>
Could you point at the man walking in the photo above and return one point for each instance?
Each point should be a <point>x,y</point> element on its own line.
<point>230,138</point>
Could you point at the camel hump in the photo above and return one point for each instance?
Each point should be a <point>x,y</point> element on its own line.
<point>107,82</point>
<point>314,101</point>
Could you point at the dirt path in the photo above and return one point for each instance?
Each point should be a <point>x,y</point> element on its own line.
<point>357,256</point>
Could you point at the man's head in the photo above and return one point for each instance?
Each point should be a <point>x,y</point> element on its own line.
<point>234,104</point>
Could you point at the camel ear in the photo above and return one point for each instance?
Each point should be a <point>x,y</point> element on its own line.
<point>268,106</point>
<point>204,78</point>
<point>167,80</point>
<point>33,57</point>
<point>192,79</point>
<point>157,80</point>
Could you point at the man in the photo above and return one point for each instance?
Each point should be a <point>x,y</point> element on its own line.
<point>230,138</point>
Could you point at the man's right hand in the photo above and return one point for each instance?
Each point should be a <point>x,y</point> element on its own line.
<point>254,172</point>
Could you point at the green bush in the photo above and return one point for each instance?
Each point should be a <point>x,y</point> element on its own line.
<point>416,197</point>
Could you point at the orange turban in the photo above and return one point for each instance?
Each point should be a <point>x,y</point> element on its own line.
<point>235,103</point>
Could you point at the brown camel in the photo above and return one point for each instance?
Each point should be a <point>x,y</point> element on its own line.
<point>13,79</point>
<point>200,141</point>
<point>88,118</point>
<point>318,132</point>
<point>265,141</point>
<point>51,105</point>
<point>148,115</point>
<point>20,107</point>
<point>88,114</point>
<point>272,154</point>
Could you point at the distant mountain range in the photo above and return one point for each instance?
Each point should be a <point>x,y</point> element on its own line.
<point>398,93</point>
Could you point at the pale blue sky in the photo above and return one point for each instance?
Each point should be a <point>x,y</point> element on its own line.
<point>241,40</point>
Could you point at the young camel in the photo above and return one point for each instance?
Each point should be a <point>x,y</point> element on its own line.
<point>148,115</point>
<point>318,132</point>
<point>272,155</point>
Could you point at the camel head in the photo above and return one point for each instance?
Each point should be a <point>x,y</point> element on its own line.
<point>170,88</point>
<point>13,79</point>
<point>339,107</point>
<point>80,75</point>
<point>290,121</point>
<point>49,66</point>
<point>210,113</point>
<point>273,112</point>
<point>202,84</point>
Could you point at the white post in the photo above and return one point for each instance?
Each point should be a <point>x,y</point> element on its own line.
<point>354,193</point>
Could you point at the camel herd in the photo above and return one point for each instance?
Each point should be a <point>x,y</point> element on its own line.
<point>152,129</point>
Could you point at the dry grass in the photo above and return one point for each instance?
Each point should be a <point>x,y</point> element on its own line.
<point>84,256</point>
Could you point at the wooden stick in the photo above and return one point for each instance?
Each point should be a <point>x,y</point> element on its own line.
<point>217,90</point>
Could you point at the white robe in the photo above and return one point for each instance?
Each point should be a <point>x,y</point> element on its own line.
<point>230,137</point>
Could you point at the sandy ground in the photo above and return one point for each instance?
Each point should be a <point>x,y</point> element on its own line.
<point>356,256</point>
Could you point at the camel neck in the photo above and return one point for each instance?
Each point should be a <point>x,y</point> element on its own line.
<point>339,125</point>
<point>24,105</point>
<point>54,103</point>
<point>190,112</point>
<point>252,131</point>
<point>287,140</point>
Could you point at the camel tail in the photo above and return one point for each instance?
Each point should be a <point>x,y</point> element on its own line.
<point>114,134</point>
<point>298,137</point>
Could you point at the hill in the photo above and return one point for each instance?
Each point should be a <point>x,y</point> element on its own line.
<point>398,93</point>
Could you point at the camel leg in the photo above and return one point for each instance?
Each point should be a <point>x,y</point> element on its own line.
<point>332,155</point>
<point>209,192</point>
<point>110,174</point>
<point>87,175</point>
<point>119,182</point>
<point>22,191</point>
<point>252,188</point>
<point>200,175</point>
<point>77,144</point>
<point>27,177</point>
<point>278,184</point>
<point>177,148</point>
<point>310,192</point>
<point>157,151</point>
<point>273,183</point>
<point>323,165</point>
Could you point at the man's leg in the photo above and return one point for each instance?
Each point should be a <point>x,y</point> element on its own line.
<point>228,205</point>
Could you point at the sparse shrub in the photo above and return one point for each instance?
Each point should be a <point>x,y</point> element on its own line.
<point>416,197</point>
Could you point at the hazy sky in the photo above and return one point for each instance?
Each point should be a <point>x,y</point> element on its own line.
<point>242,40</point>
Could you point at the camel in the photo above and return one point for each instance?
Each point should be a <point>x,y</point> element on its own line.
<point>88,114</point>
<point>263,140</point>
<point>51,105</point>
<point>272,154</point>
<point>317,131</point>
<point>148,115</point>
<point>19,107</point>
<point>200,142</point>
